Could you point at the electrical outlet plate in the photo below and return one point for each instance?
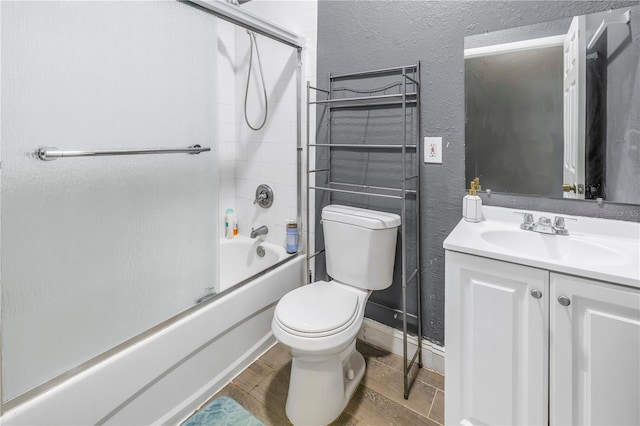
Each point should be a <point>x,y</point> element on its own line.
<point>433,150</point>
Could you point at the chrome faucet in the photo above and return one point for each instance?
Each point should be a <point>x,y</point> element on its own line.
<point>263,230</point>
<point>544,225</point>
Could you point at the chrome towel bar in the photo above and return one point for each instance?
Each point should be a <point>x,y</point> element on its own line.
<point>49,153</point>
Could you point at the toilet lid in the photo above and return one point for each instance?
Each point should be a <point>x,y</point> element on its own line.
<point>317,308</point>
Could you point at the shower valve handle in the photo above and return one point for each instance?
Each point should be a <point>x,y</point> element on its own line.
<point>264,196</point>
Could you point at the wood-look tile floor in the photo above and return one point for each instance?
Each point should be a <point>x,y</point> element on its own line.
<point>262,390</point>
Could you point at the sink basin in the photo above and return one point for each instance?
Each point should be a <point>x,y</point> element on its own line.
<point>596,248</point>
<point>569,249</point>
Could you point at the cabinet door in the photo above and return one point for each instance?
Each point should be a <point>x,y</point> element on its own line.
<point>595,353</point>
<point>496,336</point>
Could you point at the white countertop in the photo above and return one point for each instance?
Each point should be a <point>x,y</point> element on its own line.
<point>620,239</point>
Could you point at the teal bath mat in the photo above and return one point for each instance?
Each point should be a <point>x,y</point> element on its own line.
<point>222,411</point>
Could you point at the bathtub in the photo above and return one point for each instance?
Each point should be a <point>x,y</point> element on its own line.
<point>239,260</point>
<point>163,377</point>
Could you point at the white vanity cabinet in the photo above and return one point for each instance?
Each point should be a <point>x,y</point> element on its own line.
<point>526,346</point>
<point>594,353</point>
<point>496,322</point>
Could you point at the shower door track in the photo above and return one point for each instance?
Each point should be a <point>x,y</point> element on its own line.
<point>241,18</point>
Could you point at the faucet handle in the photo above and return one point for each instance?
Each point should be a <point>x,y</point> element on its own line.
<point>559,220</point>
<point>260,197</point>
<point>558,224</point>
<point>527,220</point>
<point>264,196</point>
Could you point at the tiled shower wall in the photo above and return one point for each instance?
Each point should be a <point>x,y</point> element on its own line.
<point>227,119</point>
<point>249,158</point>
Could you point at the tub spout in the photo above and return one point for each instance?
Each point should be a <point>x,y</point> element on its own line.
<point>263,230</point>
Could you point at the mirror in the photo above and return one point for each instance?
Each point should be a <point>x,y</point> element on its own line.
<point>553,109</point>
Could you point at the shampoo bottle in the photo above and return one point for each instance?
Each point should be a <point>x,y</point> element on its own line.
<point>472,204</point>
<point>228,224</point>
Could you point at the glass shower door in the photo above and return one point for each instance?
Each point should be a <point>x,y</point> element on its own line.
<point>96,250</point>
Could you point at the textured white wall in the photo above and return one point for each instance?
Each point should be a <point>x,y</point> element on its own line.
<point>98,250</point>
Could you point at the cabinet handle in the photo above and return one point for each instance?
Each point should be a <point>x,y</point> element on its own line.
<point>536,294</point>
<point>564,300</point>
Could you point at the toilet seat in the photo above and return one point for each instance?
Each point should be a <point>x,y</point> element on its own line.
<point>317,310</point>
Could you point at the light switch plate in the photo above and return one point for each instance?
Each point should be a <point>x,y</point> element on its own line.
<point>433,150</point>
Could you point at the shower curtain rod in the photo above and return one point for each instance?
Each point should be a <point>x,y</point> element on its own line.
<point>237,16</point>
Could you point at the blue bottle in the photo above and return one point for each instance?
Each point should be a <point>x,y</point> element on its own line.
<point>292,237</point>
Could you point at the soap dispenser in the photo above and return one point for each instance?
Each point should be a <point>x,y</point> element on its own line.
<point>472,204</point>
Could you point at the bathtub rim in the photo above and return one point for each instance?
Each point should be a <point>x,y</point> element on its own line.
<point>121,347</point>
<point>288,257</point>
<point>244,240</point>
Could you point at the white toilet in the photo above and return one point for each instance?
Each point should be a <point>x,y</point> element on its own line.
<point>320,321</point>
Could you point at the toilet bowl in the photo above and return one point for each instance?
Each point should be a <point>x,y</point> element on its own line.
<point>326,369</point>
<point>319,322</point>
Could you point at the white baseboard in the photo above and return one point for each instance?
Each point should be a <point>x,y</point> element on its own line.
<point>390,339</point>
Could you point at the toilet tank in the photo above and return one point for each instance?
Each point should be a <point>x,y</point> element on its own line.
<point>360,245</point>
